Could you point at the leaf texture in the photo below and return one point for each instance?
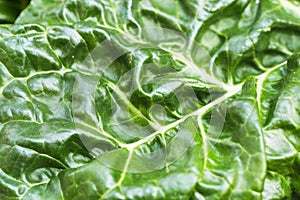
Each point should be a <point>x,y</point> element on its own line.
<point>209,110</point>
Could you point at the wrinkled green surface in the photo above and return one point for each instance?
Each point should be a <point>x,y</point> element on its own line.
<point>9,10</point>
<point>253,48</point>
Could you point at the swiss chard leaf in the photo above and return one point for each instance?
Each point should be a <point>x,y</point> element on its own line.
<point>209,110</point>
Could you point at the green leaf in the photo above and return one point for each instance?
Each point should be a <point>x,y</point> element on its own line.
<point>147,99</point>
<point>11,9</point>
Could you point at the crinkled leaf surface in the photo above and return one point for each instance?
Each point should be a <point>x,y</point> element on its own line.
<point>59,140</point>
<point>9,10</point>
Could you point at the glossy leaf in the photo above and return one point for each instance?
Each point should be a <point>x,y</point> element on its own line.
<point>151,99</point>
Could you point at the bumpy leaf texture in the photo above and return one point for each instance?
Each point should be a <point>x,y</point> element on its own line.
<point>217,120</point>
